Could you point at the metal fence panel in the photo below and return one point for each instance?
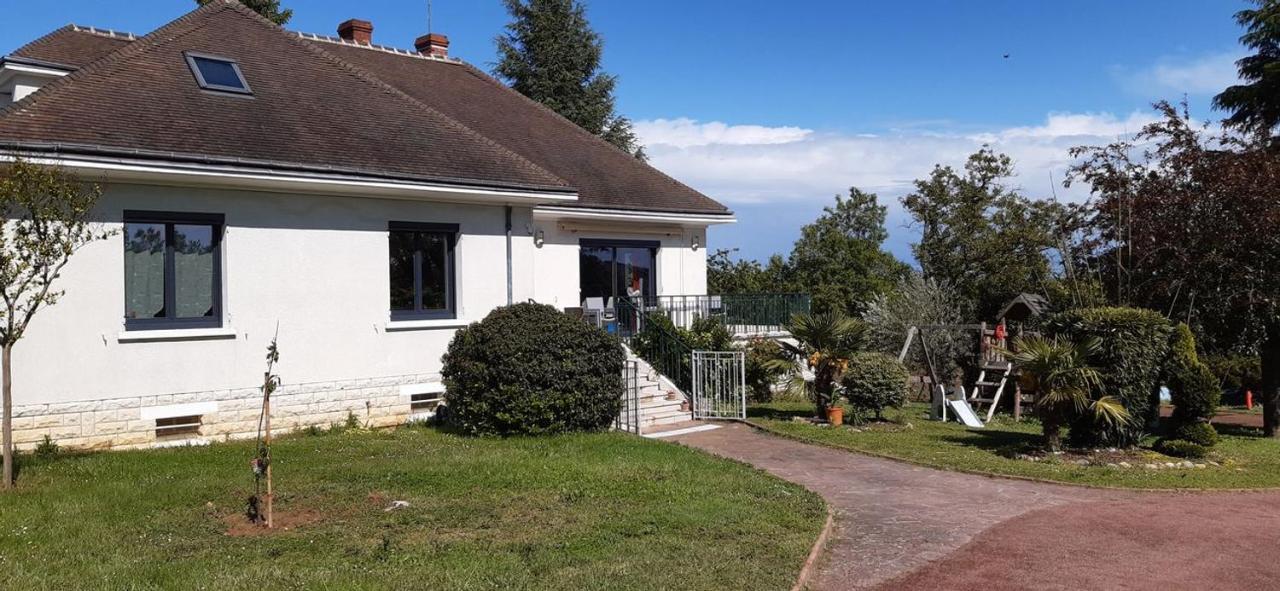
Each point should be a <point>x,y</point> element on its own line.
<point>629,416</point>
<point>719,385</point>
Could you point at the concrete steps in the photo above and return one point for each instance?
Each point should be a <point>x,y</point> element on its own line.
<point>656,409</point>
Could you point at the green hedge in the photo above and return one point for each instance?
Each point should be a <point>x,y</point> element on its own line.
<point>530,369</point>
<point>1132,361</point>
<point>873,382</point>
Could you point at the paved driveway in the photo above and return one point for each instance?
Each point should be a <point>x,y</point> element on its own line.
<point>904,527</point>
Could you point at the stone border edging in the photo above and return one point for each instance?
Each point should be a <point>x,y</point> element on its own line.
<point>810,563</point>
<point>918,463</point>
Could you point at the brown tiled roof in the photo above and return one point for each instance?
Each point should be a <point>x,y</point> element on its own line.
<point>309,109</point>
<point>325,105</point>
<point>74,46</point>
<point>603,175</point>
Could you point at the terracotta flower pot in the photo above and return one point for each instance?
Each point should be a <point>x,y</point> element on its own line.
<point>835,416</point>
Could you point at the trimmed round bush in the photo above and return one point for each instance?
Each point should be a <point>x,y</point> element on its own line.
<point>1132,361</point>
<point>1179,448</point>
<point>531,369</point>
<point>873,382</point>
<point>1198,433</point>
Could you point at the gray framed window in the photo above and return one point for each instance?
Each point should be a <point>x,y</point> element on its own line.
<point>423,273</point>
<point>217,73</point>
<point>172,270</point>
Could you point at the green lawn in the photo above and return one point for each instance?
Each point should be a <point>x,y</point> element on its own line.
<point>601,511</point>
<point>1247,460</point>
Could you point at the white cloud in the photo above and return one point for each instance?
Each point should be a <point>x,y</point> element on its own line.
<point>760,164</point>
<point>1067,125</point>
<point>686,133</point>
<point>1203,75</point>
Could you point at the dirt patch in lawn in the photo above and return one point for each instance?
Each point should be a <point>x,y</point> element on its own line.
<point>238,525</point>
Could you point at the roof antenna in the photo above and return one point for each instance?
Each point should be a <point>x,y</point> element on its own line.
<point>429,29</point>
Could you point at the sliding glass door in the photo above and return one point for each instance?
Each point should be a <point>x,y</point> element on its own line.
<point>613,269</point>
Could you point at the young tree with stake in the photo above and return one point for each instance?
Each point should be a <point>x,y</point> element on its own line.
<point>44,219</point>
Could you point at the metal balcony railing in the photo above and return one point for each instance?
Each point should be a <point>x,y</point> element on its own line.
<point>741,314</point>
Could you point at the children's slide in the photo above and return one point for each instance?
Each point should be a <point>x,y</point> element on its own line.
<point>964,413</point>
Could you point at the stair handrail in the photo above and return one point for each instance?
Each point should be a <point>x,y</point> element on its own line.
<point>661,348</point>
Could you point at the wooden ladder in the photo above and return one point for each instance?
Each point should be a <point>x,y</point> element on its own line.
<point>992,380</point>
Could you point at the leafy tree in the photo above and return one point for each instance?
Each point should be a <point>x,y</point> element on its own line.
<point>838,258</point>
<point>916,301</point>
<point>1065,385</point>
<point>726,276</point>
<point>551,55</point>
<point>1189,225</point>
<point>268,8</point>
<point>1255,105</point>
<point>981,236</point>
<point>43,221</point>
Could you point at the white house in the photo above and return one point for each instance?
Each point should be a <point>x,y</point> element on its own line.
<point>363,201</point>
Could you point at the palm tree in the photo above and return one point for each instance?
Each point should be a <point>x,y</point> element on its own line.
<point>824,343</point>
<point>1064,384</point>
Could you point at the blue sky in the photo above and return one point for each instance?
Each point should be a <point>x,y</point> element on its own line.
<point>774,107</point>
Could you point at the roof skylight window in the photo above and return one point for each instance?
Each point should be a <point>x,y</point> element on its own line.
<point>217,73</point>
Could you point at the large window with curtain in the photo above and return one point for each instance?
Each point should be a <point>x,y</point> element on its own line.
<point>172,270</point>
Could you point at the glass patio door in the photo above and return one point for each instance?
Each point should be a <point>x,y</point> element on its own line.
<point>618,269</point>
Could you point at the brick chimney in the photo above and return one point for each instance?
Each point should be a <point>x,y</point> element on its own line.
<point>433,44</point>
<point>357,31</point>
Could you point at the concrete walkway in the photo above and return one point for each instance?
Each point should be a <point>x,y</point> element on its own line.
<point>891,517</point>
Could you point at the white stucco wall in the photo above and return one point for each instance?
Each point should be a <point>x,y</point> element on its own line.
<point>316,265</point>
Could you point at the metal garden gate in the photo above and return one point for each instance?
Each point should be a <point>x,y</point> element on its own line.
<point>719,385</point>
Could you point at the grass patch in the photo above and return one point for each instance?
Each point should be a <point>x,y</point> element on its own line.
<point>1247,459</point>
<point>598,511</point>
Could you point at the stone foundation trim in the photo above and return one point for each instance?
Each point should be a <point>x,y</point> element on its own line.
<point>125,423</point>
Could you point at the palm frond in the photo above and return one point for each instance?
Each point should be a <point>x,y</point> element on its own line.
<point>1109,410</point>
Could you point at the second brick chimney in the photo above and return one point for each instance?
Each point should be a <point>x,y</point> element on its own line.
<point>433,44</point>
<point>357,31</point>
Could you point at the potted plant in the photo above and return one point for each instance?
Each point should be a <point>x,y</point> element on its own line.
<point>835,415</point>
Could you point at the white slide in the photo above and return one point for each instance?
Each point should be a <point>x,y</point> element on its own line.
<point>965,413</point>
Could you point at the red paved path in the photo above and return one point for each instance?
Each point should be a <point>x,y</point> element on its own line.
<point>904,527</point>
<point>1157,542</point>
